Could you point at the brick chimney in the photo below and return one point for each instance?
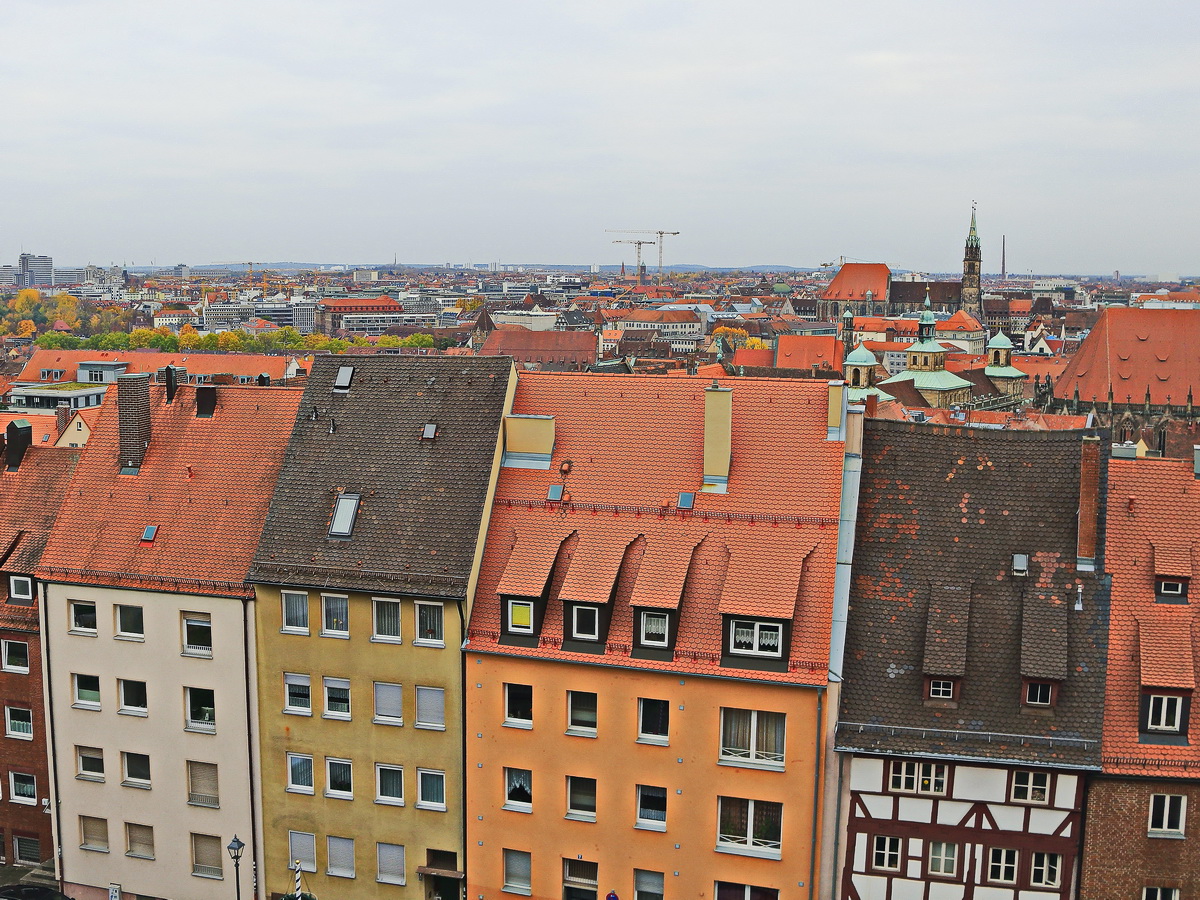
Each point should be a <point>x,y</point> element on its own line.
<point>133,420</point>
<point>62,417</point>
<point>1089,504</point>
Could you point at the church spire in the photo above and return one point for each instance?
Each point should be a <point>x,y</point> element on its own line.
<point>970,297</point>
<point>973,235</point>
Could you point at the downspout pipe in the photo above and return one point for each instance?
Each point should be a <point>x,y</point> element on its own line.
<point>48,706</point>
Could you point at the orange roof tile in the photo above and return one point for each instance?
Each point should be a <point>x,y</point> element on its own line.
<point>1165,651</point>
<point>853,280</point>
<point>1172,557</point>
<point>138,361</point>
<point>744,356</point>
<point>803,351</point>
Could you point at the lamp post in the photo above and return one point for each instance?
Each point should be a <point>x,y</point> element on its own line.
<point>235,849</point>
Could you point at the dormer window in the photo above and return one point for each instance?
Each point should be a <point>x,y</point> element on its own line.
<point>942,690</point>
<point>585,622</point>
<point>345,511</point>
<point>655,629</point>
<point>20,589</point>
<point>341,381</point>
<point>1171,590</point>
<point>1165,713</point>
<point>750,637</point>
<point>520,617</point>
<point>1040,694</point>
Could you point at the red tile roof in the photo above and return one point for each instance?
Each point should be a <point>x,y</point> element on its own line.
<point>573,344</point>
<point>206,482</point>
<point>853,280</point>
<point>803,351</point>
<point>744,356</point>
<point>635,442</point>
<point>1150,644</point>
<point>1135,349</point>
<point>138,361</point>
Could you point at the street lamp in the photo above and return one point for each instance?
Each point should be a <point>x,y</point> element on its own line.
<point>235,853</point>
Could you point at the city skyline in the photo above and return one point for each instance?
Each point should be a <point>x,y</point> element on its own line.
<point>773,135</point>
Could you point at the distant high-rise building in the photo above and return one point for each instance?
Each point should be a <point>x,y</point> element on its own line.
<point>971,272</point>
<point>35,270</point>
<point>8,275</point>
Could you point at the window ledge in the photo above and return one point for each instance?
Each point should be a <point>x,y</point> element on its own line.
<point>14,670</point>
<point>523,891</point>
<point>435,807</point>
<point>338,635</point>
<point>19,737</point>
<point>760,852</point>
<point>197,729</point>
<point>337,717</point>
<point>197,655</point>
<point>138,855</point>
<point>99,779</point>
<point>303,632</point>
<point>297,712</point>
<point>580,817</point>
<point>337,795</point>
<point>299,790</point>
<point>525,724</point>
<point>752,764</point>
<point>139,785</point>
<point>137,639</point>
<point>654,742</point>
<point>95,707</point>
<point>397,723</point>
<point>93,849</point>
<point>79,632</point>
<point>512,807</point>
<point>437,645</point>
<point>210,877</point>
<point>139,713</point>
<point>339,874</point>
<point>383,801</point>
<point>23,801</point>
<point>427,727</point>
<point>1167,835</point>
<point>378,639</point>
<point>642,825</point>
<point>398,881</point>
<point>581,732</point>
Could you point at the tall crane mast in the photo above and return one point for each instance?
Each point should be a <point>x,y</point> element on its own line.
<point>639,245</point>
<point>659,231</point>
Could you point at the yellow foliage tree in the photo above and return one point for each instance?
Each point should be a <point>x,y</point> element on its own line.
<point>737,337</point>
<point>26,328</point>
<point>140,337</point>
<point>756,344</point>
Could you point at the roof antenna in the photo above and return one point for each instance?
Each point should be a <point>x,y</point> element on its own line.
<point>1079,598</point>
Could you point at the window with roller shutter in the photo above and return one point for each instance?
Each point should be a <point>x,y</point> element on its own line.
<point>206,855</point>
<point>302,846</point>
<point>93,833</point>
<point>389,704</point>
<point>517,872</point>
<point>431,708</point>
<point>390,863</point>
<point>341,857</point>
<point>139,839</point>
<point>202,784</point>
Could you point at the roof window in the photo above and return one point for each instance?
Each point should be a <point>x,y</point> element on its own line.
<point>429,432</point>
<point>1020,564</point>
<point>555,493</point>
<point>687,500</point>
<point>149,533</point>
<point>345,510</point>
<point>341,381</point>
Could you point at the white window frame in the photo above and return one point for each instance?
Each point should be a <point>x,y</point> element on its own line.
<point>13,796</point>
<point>376,635</point>
<point>296,679</point>
<point>128,780</point>
<point>422,803</point>
<point>196,650</point>
<point>912,777</point>
<point>576,729</point>
<point>82,753</point>
<point>644,634</point>
<point>426,691</point>
<point>941,689</point>
<point>649,737</point>
<point>510,883</point>
<point>326,631</point>
<point>517,805</point>
<point>126,709</point>
<point>10,731</point>
<point>327,683</point>
<point>5,661</point>
<point>1042,687</point>
<point>511,721</point>
<point>1007,861</point>
<point>576,813</point>
<point>379,795</point>
<point>1170,588</point>
<point>753,756</point>
<point>1159,893</point>
<point>418,640</point>
<point>20,587</point>
<point>1045,870</point>
<point>329,869</point>
<point>943,859</point>
<point>1029,782</point>
<point>72,628</point>
<point>887,848</point>
<point>379,718</point>
<point>294,787</point>
<point>577,631</point>
<point>285,628</point>
<point>650,823</point>
<point>1168,815</point>
<point>748,844</point>
<point>521,629</point>
<point>760,627</point>
<point>293,853</point>
<point>120,633</point>
<point>79,703</point>
<point>1169,717</point>
<point>344,516</point>
<point>388,878</point>
<point>330,762</point>
<point>199,724</point>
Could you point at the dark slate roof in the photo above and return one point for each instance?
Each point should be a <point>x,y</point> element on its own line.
<point>942,510</point>
<point>912,293</point>
<point>422,501</point>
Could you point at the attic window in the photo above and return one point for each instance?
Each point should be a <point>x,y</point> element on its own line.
<point>687,500</point>
<point>345,509</point>
<point>1171,590</point>
<point>1020,565</point>
<point>341,381</point>
<point>555,493</point>
<point>429,432</point>
<point>149,533</point>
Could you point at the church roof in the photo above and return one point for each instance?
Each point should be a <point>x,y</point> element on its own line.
<point>853,280</point>
<point>861,356</point>
<point>1000,342</point>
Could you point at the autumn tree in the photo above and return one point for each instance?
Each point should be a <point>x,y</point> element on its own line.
<point>736,337</point>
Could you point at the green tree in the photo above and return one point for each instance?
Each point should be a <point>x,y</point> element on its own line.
<point>141,337</point>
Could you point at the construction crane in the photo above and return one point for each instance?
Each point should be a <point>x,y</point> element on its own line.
<point>659,231</point>
<point>639,244</point>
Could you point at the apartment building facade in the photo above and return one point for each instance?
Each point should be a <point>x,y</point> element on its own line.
<point>646,685</point>
<point>147,624</point>
<point>363,580</point>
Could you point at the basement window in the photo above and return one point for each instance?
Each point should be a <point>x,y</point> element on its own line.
<point>149,533</point>
<point>341,381</point>
<point>345,510</point>
<point>429,432</point>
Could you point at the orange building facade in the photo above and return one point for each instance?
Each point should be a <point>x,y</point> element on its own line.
<point>646,688</point>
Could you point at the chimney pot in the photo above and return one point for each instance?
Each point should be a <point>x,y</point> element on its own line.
<point>62,417</point>
<point>20,437</point>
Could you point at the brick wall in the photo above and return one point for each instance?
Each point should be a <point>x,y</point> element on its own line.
<point>1119,860</point>
<point>24,691</point>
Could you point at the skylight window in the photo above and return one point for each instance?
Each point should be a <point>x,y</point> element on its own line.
<point>429,432</point>
<point>1020,564</point>
<point>149,533</point>
<point>555,493</point>
<point>687,500</point>
<point>341,381</point>
<point>345,509</point>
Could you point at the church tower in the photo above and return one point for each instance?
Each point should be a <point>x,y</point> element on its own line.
<point>971,271</point>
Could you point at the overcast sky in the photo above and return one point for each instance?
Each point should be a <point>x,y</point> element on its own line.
<point>765,131</point>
